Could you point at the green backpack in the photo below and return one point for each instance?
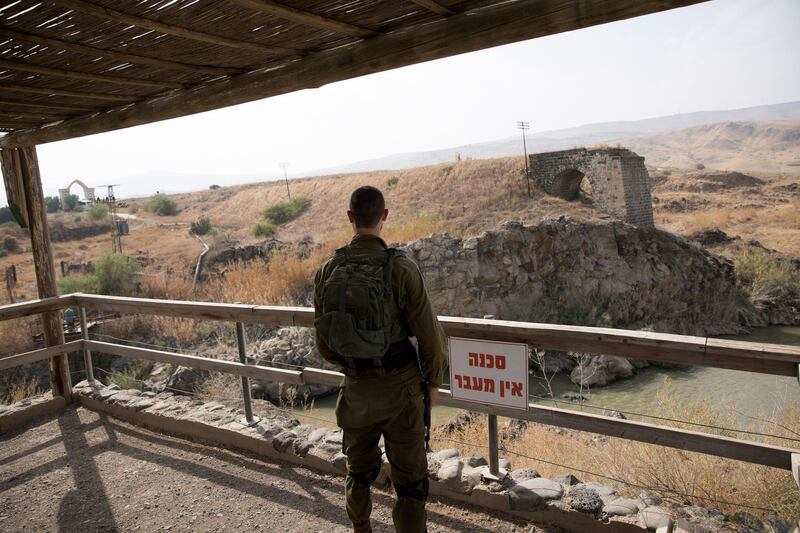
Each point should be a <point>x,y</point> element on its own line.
<point>360,318</point>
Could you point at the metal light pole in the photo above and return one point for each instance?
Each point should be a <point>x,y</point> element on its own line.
<point>286,179</point>
<point>522,125</point>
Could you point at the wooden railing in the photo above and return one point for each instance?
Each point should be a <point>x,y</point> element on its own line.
<point>738,355</point>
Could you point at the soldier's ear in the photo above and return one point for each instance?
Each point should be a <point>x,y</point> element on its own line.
<point>385,215</point>
<point>351,217</point>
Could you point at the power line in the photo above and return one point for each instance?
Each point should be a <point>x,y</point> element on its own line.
<point>524,126</point>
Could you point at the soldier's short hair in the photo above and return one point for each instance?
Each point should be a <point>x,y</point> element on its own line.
<point>367,205</point>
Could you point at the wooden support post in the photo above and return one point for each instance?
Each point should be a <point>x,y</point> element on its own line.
<point>45,271</point>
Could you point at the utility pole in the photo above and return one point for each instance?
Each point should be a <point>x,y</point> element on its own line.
<point>286,179</point>
<point>111,203</point>
<point>522,125</point>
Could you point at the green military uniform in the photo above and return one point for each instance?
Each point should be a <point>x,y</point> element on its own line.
<point>389,403</point>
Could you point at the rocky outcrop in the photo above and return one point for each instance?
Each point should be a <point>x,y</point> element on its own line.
<point>291,348</point>
<point>587,271</point>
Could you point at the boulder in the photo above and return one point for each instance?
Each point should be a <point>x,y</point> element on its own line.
<point>546,489</point>
<point>653,517</point>
<point>186,379</point>
<point>601,370</point>
<point>621,507</point>
<point>584,499</point>
<point>523,474</point>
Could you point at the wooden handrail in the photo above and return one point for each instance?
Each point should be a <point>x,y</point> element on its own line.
<point>681,349</point>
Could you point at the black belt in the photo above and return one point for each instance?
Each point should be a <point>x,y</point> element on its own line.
<point>399,354</point>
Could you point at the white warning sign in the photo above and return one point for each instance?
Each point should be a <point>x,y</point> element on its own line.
<point>489,372</point>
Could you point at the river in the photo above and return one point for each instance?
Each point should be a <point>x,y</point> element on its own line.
<point>749,394</point>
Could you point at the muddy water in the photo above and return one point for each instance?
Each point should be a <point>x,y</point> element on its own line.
<point>748,393</point>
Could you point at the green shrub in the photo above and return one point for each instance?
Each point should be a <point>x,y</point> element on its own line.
<point>82,283</point>
<point>700,166</point>
<point>285,212</point>
<point>116,274</point>
<point>97,211</point>
<point>214,187</point>
<point>768,278</point>
<point>201,226</point>
<point>125,380</point>
<point>52,204</point>
<point>10,244</point>
<point>264,229</point>
<point>162,206</point>
<point>391,182</point>
<point>70,203</point>
<point>6,215</point>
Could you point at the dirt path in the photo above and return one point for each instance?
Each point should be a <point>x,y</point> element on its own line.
<point>86,472</point>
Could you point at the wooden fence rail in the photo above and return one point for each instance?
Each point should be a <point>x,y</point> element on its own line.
<point>755,357</point>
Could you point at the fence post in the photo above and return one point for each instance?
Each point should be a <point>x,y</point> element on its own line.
<point>494,459</point>
<point>87,354</point>
<point>248,404</point>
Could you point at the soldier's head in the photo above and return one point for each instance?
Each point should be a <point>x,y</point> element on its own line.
<point>367,211</point>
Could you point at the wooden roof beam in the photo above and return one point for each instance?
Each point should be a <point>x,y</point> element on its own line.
<point>499,24</point>
<point>304,17</point>
<point>36,117</point>
<point>119,56</point>
<point>72,75</point>
<point>435,7</point>
<point>72,94</point>
<point>107,13</point>
<point>47,107</point>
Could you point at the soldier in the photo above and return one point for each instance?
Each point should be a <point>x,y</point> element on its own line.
<point>369,300</point>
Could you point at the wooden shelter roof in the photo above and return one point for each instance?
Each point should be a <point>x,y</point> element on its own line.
<point>76,67</point>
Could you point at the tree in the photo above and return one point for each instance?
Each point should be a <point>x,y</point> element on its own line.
<point>214,187</point>
<point>116,274</point>
<point>70,202</point>
<point>97,211</point>
<point>52,204</point>
<point>6,215</point>
<point>162,206</point>
<point>201,226</point>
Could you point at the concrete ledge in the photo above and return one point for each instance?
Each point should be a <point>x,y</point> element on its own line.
<point>283,439</point>
<point>22,413</point>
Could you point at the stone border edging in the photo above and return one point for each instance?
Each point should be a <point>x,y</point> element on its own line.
<point>21,413</point>
<point>281,438</point>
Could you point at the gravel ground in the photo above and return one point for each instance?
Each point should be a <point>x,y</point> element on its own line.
<point>83,471</point>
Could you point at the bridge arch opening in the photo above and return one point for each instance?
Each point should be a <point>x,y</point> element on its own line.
<point>567,184</point>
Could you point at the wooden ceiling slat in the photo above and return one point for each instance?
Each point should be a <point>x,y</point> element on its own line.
<point>112,54</point>
<point>8,113</point>
<point>494,25</point>
<point>305,17</point>
<point>435,7</point>
<point>71,74</point>
<point>60,92</point>
<point>47,106</point>
<point>118,16</point>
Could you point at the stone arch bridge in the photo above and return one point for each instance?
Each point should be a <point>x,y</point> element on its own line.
<point>88,192</point>
<point>618,177</point>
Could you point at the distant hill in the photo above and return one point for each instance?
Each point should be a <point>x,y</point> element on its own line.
<point>755,146</point>
<point>606,132</point>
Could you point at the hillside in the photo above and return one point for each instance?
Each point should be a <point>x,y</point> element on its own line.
<point>764,146</point>
<point>623,132</point>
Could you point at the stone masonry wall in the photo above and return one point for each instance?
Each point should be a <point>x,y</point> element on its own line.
<point>619,179</point>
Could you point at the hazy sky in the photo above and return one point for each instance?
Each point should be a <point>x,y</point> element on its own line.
<point>719,55</point>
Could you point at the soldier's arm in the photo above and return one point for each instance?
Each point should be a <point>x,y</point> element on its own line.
<point>421,319</point>
<point>327,354</point>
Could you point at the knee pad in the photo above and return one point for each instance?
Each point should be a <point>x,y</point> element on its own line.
<point>365,478</point>
<point>417,490</point>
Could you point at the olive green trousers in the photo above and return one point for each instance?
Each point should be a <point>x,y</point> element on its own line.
<point>389,406</point>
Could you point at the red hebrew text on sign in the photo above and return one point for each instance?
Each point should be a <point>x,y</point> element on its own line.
<point>489,372</point>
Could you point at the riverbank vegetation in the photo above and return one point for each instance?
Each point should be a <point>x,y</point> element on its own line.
<point>677,476</point>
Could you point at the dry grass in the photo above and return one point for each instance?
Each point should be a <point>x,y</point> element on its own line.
<point>15,336</point>
<point>683,477</point>
<point>19,391</point>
